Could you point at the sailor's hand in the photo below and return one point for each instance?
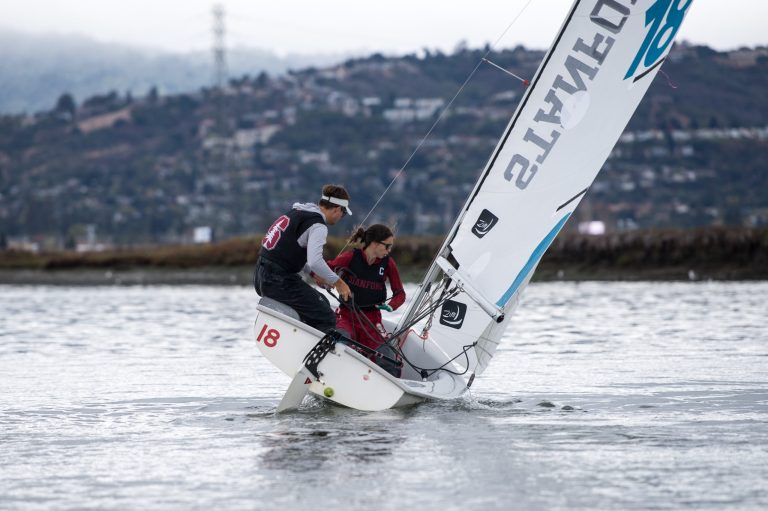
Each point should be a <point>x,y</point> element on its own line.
<point>320,281</point>
<point>384,307</point>
<point>342,288</point>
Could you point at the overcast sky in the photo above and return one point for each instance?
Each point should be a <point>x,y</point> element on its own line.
<point>362,26</point>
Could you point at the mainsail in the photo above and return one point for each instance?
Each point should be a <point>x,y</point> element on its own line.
<point>583,95</point>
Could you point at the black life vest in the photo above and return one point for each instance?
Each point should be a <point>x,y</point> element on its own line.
<point>366,280</point>
<point>281,243</point>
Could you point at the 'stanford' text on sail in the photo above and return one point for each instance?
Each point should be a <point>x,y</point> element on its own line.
<point>583,63</point>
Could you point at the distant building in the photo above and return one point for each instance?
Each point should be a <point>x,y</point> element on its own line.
<point>90,243</point>
<point>407,109</point>
<point>23,243</point>
<point>592,228</point>
<point>246,138</point>
<point>202,234</point>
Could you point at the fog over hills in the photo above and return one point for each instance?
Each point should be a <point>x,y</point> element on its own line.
<point>37,69</point>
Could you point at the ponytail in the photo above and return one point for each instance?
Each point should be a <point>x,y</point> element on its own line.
<point>376,232</point>
<point>358,235</point>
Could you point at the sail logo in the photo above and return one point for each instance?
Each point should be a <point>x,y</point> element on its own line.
<point>485,223</point>
<point>663,19</point>
<point>453,313</point>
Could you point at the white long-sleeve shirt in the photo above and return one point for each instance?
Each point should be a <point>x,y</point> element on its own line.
<point>314,240</point>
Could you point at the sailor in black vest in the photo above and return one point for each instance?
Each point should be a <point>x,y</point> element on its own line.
<point>294,243</point>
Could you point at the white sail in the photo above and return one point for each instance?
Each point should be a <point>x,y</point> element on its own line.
<point>582,97</point>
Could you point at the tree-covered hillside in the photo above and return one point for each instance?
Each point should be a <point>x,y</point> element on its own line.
<point>122,169</point>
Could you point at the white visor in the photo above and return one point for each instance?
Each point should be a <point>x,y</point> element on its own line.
<point>339,202</point>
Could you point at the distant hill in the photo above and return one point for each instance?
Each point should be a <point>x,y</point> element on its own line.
<point>37,69</point>
<point>118,168</point>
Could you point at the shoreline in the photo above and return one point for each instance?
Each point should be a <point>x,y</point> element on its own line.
<point>242,276</point>
<point>129,277</point>
<point>713,253</point>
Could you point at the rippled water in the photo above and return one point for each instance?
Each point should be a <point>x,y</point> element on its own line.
<point>604,396</point>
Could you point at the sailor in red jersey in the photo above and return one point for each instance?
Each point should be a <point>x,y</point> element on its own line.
<point>366,271</point>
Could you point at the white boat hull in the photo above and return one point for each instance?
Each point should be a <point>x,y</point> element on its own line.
<point>347,377</point>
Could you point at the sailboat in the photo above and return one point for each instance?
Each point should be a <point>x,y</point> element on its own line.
<point>582,96</point>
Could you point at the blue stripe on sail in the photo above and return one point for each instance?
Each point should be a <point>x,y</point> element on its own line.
<point>532,261</point>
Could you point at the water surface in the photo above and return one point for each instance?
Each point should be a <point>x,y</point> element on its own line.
<point>603,396</point>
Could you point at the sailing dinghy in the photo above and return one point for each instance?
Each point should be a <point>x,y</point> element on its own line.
<point>589,84</point>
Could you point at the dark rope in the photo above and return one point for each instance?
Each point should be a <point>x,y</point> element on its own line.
<point>424,372</point>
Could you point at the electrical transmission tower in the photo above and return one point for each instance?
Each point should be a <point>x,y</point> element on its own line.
<point>219,50</point>
<point>219,68</point>
<point>220,157</point>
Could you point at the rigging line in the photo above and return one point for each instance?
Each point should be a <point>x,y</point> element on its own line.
<point>445,295</point>
<point>442,114</point>
<point>510,73</point>
<point>358,314</point>
<point>429,311</point>
<point>672,84</point>
<point>464,351</point>
<point>514,20</point>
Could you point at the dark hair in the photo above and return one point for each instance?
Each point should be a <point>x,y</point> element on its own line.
<point>376,232</point>
<point>337,191</point>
